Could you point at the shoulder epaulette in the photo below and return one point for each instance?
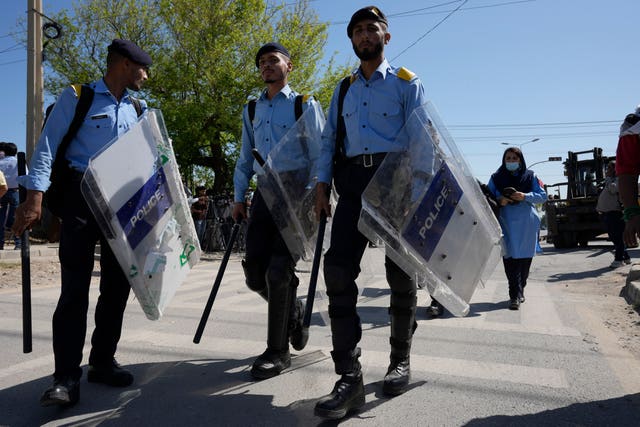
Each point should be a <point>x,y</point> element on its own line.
<point>405,74</point>
<point>306,97</point>
<point>353,78</point>
<point>77,87</point>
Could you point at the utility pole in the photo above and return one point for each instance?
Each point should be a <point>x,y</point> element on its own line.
<point>34,74</point>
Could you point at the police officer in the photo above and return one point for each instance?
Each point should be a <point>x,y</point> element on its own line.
<point>112,113</point>
<point>268,264</point>
<point>376,106</point>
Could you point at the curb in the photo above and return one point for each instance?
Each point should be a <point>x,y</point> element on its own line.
<point>632,288</point>
<point>35,251</point>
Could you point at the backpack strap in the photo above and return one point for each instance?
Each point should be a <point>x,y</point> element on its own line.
<point>251,108</point>
<point>297,106</point>
<point>341,130</point>
<point>137,105</point>
<point>85,99</point>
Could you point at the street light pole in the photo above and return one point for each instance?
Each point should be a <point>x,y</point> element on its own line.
<point>551,159</point>
<point>520,145</point>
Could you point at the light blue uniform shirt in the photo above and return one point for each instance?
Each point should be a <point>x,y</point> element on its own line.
<point>9,167</point>
<point>374,112</point>
<point>273,119</point>
<point>520,221</point>
<point>107,118</point>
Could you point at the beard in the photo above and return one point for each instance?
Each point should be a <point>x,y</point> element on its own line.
<point>369,53</point>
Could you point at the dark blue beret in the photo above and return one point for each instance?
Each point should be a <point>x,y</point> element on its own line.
<point>271,47</point>
<point>369,12</point>
<point>130,50</point>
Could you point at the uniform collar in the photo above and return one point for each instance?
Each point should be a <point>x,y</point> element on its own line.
<point>382,70</point>
<point>285,91</point>
<point>99,86</point>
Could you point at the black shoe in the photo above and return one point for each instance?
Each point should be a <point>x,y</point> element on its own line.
<point>515,304</point>
<point>397,379</point>
<point>434,311</point>
<point>298,336</point>
<point>521,299</point>
<point>347,395</point>
<point>64,392</point>
<point>110,374</point>
<point>270,363</point>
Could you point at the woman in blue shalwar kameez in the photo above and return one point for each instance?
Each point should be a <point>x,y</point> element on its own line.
<point>517,189</point>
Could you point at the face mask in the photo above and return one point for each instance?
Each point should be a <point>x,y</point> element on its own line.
<point>512,166</point>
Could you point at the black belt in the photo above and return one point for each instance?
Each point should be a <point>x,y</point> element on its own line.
<point>367,160</point>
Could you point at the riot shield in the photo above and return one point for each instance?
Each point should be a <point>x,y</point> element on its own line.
<point>427,207</point>
<point>134,190</point>
<point>287,183</point>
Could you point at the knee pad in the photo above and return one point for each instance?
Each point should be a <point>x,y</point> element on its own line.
<point>280,271</point>
<point>254,276</point>
<point>337,279</point>
<point>399,281</point>
<point>403,300</point>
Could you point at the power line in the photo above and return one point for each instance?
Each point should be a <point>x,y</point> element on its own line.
<point>544,135</point>
<point>12,62</point>
<point>430,30</point>
<point>517,125</point>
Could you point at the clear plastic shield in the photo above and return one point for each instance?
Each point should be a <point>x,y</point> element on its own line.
<point>134,190</point>
<point>427,207</point>
<point>287,183</point>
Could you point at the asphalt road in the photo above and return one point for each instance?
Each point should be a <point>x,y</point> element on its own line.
<point>553,362</point>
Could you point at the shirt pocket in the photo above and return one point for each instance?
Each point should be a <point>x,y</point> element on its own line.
<point>350,117</point>
<point>99,126</point>
<point>386,118</point>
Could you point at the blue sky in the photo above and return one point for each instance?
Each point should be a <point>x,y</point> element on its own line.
<point>563,71</point>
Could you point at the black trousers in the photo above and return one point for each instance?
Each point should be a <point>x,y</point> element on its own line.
<point>78,237</point>
<point>517,271</point>
<point>263,241</point>
<point>342,267</point>
<point>615,228</point>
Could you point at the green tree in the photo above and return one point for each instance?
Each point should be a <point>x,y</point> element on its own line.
<point>204,64</point>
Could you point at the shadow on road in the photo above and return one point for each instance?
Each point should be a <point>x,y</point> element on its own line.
<point>578,275</point>
<point>620,411</point>
<point>181,393</point>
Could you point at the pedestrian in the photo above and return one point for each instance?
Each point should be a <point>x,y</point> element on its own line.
<point>9,202</point>
<point>3,186</point>
<point>113,111</point>
<point>517,189</point>
<point>199,212</point>
<point>268,264</point>
<point>627,170</point>
<point>377,104</point>
<point>610,210</point>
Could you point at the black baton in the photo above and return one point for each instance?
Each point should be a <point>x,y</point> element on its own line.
<point>25,260</point>
<point>313,280</point>
<point>216,284</point>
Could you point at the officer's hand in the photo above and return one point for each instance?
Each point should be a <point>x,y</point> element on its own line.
<point>322,200</point>
<point>631,231</point>
<point>28,213</point>
<point>517,196</point>
<point>239,212</point>
<point>504,201</point>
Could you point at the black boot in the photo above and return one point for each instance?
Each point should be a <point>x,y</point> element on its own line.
<point>298,335</point>
<point>398,375</point>
<point>270,363</point>
<point>348,392</point>
<point>276,358</point>
<point>63,392</point>
<point>403,325</point>
<point>347,395</point>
